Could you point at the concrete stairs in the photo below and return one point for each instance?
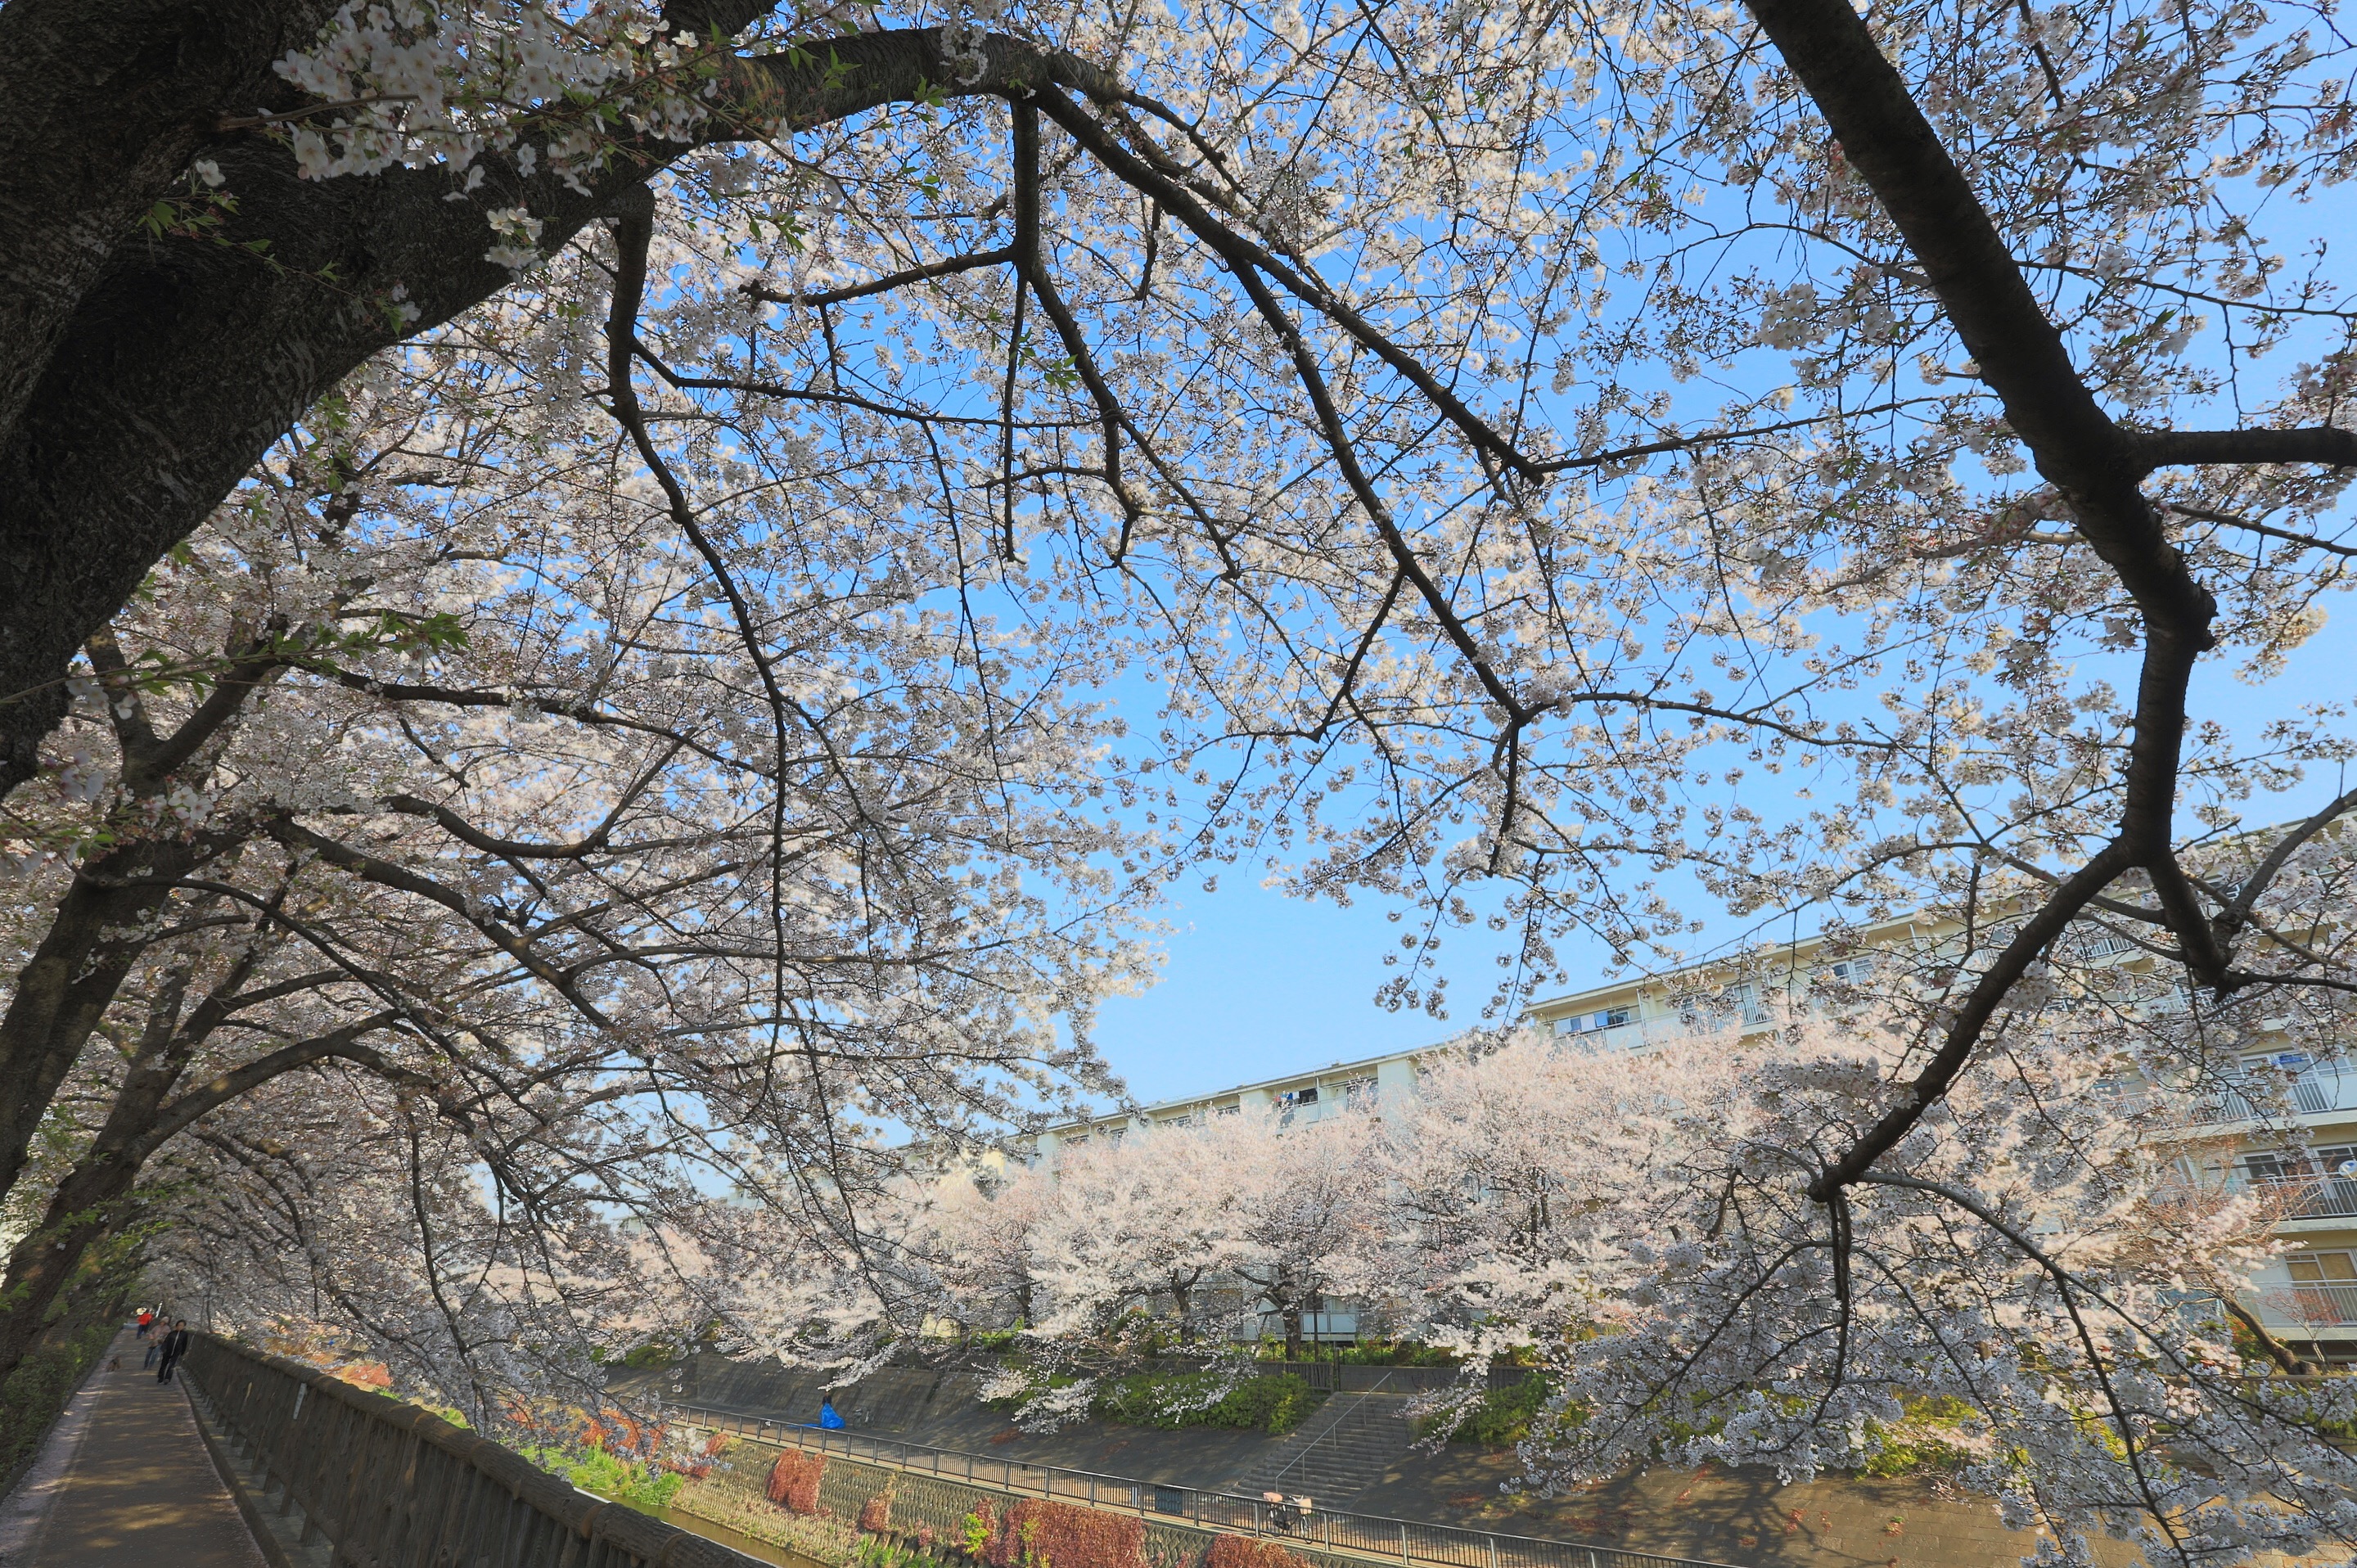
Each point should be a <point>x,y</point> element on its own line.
<point>1338,1453</point>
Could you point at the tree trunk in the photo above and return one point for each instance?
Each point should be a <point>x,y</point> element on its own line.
<point>183,359</point>
<point>86,1206</point>
<point>71,980</point>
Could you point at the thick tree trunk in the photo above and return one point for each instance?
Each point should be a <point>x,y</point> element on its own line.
<point>182,359</point>
<point>85,1207</point>
<point>72,978</point>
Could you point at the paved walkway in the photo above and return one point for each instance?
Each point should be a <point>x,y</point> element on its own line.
<point>124,1482</point>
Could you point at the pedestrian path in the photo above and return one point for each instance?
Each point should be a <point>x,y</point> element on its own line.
<point>124,1482</point>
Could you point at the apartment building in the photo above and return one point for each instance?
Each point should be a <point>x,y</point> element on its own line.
<point>2307,1297</point>
<point>1624,1015</point>
<point>2307,1171</point>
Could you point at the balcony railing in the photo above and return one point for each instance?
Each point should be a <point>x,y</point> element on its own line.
<point>2311,1198</point>
<point>2309,1306</point>
<point>2316,1090</point>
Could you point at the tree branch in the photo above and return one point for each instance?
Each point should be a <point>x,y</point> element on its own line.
<point>2326,444</point>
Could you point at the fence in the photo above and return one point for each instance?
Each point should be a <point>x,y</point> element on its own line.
<point>1350,1378</point>
<point>387,1483</point>
<point>1404,1542</point>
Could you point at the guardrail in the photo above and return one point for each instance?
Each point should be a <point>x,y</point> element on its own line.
<point>1406,1542</point>
<point>386,1482</point>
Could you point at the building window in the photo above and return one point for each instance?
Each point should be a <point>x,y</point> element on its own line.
<point>1745,999</point>
<point>1292,1097</point>
<point>1228,1110</point>
<point>1589,1023</point>
<point>2322,1268</point>
<point>1851,971</point>
<point>2282,1165</point>
<point>1359,1091</point>
<point>1076,1140</point>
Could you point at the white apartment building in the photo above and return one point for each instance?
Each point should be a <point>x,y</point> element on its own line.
<point>2307,1297</point>
<point>1624,1015</point>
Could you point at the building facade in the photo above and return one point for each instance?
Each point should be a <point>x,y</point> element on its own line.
<point>2306,1297</point>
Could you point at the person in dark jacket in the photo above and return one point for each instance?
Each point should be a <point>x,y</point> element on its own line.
<point>175,1344</point>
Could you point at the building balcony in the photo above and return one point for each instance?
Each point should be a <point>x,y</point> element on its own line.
<point>2300,1311</point>
<point>2319,1090</point>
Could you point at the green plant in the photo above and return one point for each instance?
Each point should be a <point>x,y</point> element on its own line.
<point>1173,1400</point>
<point>1397,1353</point>
<point>642,1486</point>
<point>1938,1434</point>
<point>973,1530</point>
<point>81,1325</point>
<point>872,1552</point>
<point>1501,1416</point>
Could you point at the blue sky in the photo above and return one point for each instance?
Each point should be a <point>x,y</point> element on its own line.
<point>1257,984</point>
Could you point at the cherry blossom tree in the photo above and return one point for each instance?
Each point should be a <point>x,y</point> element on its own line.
<point>1156,1217</point>
<point>460,805</point>
<point>1305,1212</point>
<point>2036,1257</point>
<point>984,1236</point>
<point>1557,468</point>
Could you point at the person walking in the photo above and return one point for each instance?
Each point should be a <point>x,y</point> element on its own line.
<point>147,1321</point>
<point>175,1344</point>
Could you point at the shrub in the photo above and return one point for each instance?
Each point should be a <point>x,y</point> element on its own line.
<point>873,1553</point>
<point>793,1480</point>
<point>1184,1399</point>
<point>640,1486</point>
<point>1938,1434</point>
<point>1405,1353</point>
<point>1500,1417</point>
<point>1249,1551</point>
<point>876,1514</point>
<point>1039,1535</point>
<point>976,1530</point>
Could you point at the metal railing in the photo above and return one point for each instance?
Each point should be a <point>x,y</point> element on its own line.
<point>2311,1091</point>
<point>389,1483</point>
<point>2309,1306</point>
<point>2310,1197</point>
<point>1406,1542</point>
<point>1347,1423</point>
<point>1352,1377</point>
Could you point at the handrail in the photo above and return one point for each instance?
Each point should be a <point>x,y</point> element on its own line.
<point>1406,1542</point>
<point>386,1482</point>
<point>1354,1416</point>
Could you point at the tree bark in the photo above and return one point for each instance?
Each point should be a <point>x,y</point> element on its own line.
<point>101,108</point>
<point>72,978</point>
<point>183,359</point>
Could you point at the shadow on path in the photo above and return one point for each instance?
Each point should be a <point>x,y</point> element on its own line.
<point>124,1482</point>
